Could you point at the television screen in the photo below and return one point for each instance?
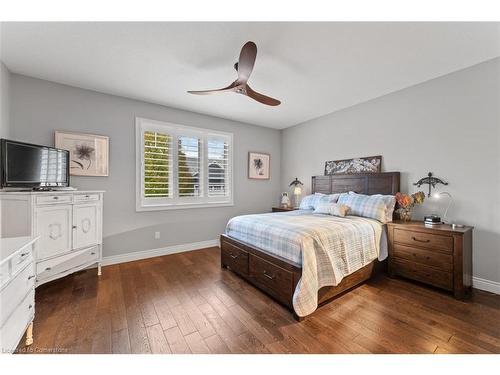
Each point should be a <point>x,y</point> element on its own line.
<point>27,165</point>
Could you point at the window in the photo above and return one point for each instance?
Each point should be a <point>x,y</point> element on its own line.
<point>182,167</point>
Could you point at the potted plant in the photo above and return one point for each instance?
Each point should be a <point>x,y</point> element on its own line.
<point>407,202</point>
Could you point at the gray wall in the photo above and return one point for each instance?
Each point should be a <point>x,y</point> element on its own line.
<point>449,125</point>
<point>40,107</point>
<point>4,101</point>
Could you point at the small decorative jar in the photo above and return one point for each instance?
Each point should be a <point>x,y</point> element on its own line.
<point>404,214</point>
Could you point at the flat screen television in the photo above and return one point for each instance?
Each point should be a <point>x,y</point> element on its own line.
<point>26,165</point>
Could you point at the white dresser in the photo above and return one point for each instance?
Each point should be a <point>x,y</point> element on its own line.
<point>17,291</point>
<point>68,224</point>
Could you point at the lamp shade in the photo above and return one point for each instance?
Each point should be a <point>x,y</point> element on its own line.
<point>450,201</point>
<point>297,190</point>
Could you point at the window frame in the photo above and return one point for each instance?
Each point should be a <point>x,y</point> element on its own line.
<point>175,202</point>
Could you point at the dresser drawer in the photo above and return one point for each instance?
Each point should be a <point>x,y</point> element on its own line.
<point>51,199</point>
<point>12,266</point>
<point>21,260</point>
<point>422,273</point>
<point>275,280</point>
<point>13,329</point>
<point>422,239</point>
<point>85,197</point>
<point>431,258</point>
<point>235,258</point>
<point>54,266</point>
<point>4,273</point>
<point>16,290</point>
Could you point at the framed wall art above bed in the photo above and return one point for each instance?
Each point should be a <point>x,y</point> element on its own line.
<point>367,164</point>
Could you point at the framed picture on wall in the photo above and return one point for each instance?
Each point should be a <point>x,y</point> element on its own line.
<point>368,164</point>
<point>259,165</point>
<point>89,153</point>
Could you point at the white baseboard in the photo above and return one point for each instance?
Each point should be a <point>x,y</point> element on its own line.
<point>487,285</point>
<point>137,255</point>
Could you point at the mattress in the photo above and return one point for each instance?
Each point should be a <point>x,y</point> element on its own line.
<point>282,233</point>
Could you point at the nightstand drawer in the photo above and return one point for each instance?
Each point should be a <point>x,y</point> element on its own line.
<point>430,258</point>
<point>423,273</point>
<point>422,239</point>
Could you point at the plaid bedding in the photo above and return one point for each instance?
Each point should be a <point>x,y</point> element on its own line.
<point>379,207</point>
<point>327,247</point>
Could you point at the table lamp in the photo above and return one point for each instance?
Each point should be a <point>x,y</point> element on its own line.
<point>297,191</point>
<point>438,196</point>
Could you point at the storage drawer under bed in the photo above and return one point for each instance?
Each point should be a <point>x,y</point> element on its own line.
<point>235,258</point>
<point>275,280</point>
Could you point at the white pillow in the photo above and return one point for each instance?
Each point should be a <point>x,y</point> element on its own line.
<point>334,209</point>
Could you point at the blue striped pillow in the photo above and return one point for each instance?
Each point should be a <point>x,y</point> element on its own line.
<point>310,202</point>
<point>379,207</point>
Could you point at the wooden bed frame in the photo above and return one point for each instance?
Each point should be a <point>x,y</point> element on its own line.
<point>277,276</point>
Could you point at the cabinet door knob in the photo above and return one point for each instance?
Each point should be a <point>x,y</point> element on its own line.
<point>74,227</point>
<point>30,277</point>
<point>48,268</point>
<point>30,306</point>
<point>56,198</point>
<point>24,254</point>
<point>92,253</point>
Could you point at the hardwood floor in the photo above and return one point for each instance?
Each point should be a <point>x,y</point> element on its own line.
<point>185,303</point>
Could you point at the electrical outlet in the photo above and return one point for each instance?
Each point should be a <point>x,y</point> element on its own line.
<point>157,235</point>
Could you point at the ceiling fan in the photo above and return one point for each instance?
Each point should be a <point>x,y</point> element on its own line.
<point>244,67</point>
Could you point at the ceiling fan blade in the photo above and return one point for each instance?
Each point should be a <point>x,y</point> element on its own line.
<point>247,61</point>
<point>261,98</point>
<point>231,87</point>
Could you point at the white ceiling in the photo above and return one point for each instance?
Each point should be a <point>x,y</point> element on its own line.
<point>313,68</point>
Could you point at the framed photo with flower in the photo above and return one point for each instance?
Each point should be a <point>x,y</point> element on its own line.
<point>259,166</point>
<point>89,153</point>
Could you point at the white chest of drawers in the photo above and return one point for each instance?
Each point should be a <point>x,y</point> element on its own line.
<point>68,224</point>
<point>17,291</point>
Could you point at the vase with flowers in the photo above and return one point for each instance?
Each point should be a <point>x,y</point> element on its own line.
<point>407,202</point>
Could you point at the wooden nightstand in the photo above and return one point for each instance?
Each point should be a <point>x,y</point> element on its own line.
<point>282,209</point>
<point>439,256</point>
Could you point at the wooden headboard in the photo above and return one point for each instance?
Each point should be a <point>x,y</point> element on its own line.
<point>365,183</point>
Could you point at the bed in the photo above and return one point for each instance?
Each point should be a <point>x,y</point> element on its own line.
<point>277,268</point>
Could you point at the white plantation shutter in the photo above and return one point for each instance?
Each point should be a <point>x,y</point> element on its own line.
<point>218,167</point>
<point>188,167</point>
<point>157,165</point>
<point>182,167</point>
